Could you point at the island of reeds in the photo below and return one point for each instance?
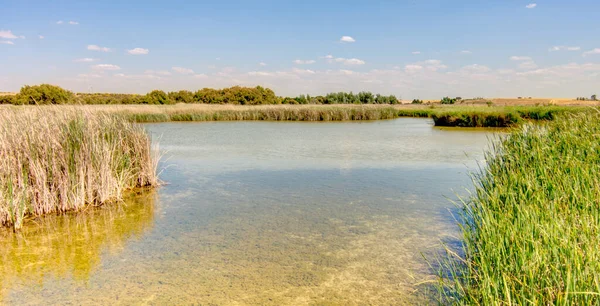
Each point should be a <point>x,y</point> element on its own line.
<point>56,160</point>
<point>531,232</point>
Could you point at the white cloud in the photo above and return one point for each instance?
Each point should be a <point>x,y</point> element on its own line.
<point>531,5</point>
<point>262,64</point>
<point>347,39</point>
<point>159,72</point>
<point>182,70</point>
<point>329,56</point>
<point>528,65</point>
<point>7,34</point>
<point>41,37</point>
<point>200,76</point>
<point>345,61</point>
<point>73,22</point>
<point>475,68</point>
<point>465,52</point>
<point>6,42</point>
<point>564,48</point>
<point>432,65</point>
<point>137,76</point>
<point>416,52</point>
<point>59,22</point>
<point>595,51</point>
<point>520,58</point>
<point>302,71</point>
<point>106,67</point>
<point>86,60</point>
<point>413,68</point>
<point>260,73</point>
<point>304,62</point>
<point>98,48</point>
<point>89,75</point>
<point>138,51</point>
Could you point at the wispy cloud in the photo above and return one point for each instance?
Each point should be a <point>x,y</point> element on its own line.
<point>416,52</point>
<point>86,60</point>
<point>89,75</point>
<point>345,61</point>
<point>592,52</point>
<point>347,39</point>
<point>304,62</point>
<point>60,22</point>
<point>564,48</point>
<point>98,48</point>
<point>262,64</point>
<point>528,65</point>
<point>6,42</point>
<point>106,67</point>
<point>7,34</point>
<point>531,5</point>
<point>73,22</point>
<point>302,71</point>
<point>182,70</point>
<point>159,72</point>
<point>466,52</point>
<point>138,51</point>
<point>520,58</point>
<point>41,36</point>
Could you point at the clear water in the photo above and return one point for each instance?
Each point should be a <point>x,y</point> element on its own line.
<point>264,213</point>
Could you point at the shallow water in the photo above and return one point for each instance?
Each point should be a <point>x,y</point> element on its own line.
<point>265,213</point>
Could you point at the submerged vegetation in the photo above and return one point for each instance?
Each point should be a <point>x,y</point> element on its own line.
<point>58,159</point>
<point>532,230</point>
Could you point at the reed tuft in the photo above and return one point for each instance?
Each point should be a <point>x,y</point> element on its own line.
<point>54,160</point>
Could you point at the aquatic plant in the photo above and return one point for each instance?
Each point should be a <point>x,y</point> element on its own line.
<point>59,159</point>
<point>532,229</point>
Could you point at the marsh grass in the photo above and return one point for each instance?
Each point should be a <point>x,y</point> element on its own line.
<point>55,159</point>
<point>446,115</point>
<point>532,228</point>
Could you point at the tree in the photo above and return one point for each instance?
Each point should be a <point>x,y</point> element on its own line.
<point>417,101</point>
<point>447,100</point>
<point>44,94</point>
<point>157,97</point>
<point>594,98</point>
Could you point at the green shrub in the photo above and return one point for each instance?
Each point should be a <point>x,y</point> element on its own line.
<point>447,100</point>
<point>182,96</point>
<point>417,101</point>
<point>44,94</point>
<point>8,99</point>
<point>157,97</point>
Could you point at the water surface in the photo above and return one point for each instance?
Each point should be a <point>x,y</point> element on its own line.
<point>265,213</point>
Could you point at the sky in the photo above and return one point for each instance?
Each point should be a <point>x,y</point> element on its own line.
<point>412,49</point>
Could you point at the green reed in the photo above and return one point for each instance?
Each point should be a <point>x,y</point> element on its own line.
<point>531,232</point>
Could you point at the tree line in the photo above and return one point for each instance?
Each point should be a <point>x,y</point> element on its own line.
<point>50,94</point>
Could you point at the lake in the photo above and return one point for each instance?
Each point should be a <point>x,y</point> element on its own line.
<point>269,213</point>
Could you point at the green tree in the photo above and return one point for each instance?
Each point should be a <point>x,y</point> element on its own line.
<point>157,97</point>
<point>44,94</point>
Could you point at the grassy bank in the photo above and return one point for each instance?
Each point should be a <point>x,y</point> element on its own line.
<point>59,159</point>
<point>532,230</point>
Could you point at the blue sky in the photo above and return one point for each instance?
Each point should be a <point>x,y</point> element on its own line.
<point>413,49</point>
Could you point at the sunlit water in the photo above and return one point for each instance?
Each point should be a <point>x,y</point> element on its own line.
<point>260,213</point>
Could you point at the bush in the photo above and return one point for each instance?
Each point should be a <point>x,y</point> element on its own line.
<point>8,99</point>
<point>182,96</point>
<point>44,94</point>
<point>417,101</point>
<point>447,100</point>
<point>157,97</point>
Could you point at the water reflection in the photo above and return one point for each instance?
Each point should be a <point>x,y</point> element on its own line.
<point>72,245</point>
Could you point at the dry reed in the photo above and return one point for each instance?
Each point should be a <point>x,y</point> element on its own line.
<point>54,160</point>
